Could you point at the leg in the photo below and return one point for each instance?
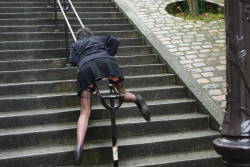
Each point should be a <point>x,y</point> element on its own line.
<point>85,111</point>
<point>130,97</point>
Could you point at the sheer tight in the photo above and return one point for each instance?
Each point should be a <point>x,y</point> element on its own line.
<point>85,108</point>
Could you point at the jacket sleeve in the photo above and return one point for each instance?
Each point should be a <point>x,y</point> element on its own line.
<point>112,45</point>
<point>74,55</point>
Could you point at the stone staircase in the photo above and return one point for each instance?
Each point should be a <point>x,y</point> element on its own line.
<point>39,106</point>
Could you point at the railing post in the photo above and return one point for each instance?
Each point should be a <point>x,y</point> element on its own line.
<point>66,40</point>
<point>55,15</point>
<point>66,8</point>
<point>234,146</point>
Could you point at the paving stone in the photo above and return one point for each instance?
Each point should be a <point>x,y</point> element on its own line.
<point>202,81</point>
<point>199,64</point>
<point>173,50</point>
<point>206,69</point>
<point>215,92</point>
<point>190,56</point>
<point>217,79</point>
<point>196,70</point>
<point>198,60</point>
<point>211,86</point>
<point>219,98</point>
<point>183,48</point>
<point>196,76</point>
<point>186,61</point>
<point>199,47</point>
<point>207,74</point>
<point>188,66</point>
<point>205,50</point>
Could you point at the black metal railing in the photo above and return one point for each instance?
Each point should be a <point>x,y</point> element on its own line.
<point>64,7</point>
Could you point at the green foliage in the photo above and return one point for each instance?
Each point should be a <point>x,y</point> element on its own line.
<point>205,17</point>
<point>207,11</point>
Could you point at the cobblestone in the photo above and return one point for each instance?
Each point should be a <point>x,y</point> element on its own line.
<point>199,47</point>
<point>215,92</point>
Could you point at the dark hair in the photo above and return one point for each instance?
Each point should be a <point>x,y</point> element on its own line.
<point>83,33</point>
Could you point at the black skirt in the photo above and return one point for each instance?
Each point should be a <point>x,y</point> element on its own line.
<point>97,69</point>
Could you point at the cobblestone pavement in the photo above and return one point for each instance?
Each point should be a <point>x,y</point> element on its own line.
<point>199,47</point>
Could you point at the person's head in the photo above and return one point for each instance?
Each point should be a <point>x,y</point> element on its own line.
<point>83,33</point>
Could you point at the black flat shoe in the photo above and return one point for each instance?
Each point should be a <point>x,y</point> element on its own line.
<point>78,156</point>
<point>143,107</point>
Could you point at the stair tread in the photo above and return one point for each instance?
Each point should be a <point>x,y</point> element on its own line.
<point>31,33</point>
<point>63,48</point>
<point>123,141</point>
<point>26,50</point>
<point>103,18</point>
<point>58,59</point>
<point>77,2</point>
<point>53,69</point>
<point>69,80</point>
<point>54,25</point>
<point>97,106</point>
<point>33,60</point>
<point>95,123</point>
<point>44,95</point>
<point>53,12</point>
<point>161,159</point>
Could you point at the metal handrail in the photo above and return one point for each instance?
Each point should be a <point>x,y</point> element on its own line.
<point>80,21</point>
<point>66,19</point>
<point>64,9</point>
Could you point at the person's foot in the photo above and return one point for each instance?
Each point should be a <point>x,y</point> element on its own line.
<point>78,156</point>
<point>143,107</point>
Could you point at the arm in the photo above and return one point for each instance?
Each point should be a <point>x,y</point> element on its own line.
<point>112,45</point>
<point>74,55</point>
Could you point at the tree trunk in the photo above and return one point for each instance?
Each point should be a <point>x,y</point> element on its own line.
<point>193,6</point>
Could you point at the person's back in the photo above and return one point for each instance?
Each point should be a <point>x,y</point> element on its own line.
<point>89,48</point>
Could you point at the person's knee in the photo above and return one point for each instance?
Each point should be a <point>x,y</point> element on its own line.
<point>86,94</point>
<point>119,86</point>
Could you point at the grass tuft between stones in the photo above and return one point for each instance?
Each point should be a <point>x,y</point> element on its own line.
<point>209,12</point>
<point>205,17</point>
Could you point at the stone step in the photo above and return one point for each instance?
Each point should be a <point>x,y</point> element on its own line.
<point>44,4</point>
<point>26,15</point>
<point>51,9</point>
<point>61,28</point>
<point>65,133</point>
<point>29,64</point>
<point>69,85</point>
<point>60,53</point>
<point>99,151</point>
<point>12,22</point>
<point>50,116</point>
<point>51,44</point>
<point>9,39</point>
<point>51,2</point>
<point>204,158</point>
<point>70,73</point>
<point>61,100</point>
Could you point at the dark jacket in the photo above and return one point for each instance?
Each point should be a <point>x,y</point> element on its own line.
<point>91,48</point>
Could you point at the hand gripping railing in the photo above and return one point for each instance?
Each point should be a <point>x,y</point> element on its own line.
<point>111,101</point>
